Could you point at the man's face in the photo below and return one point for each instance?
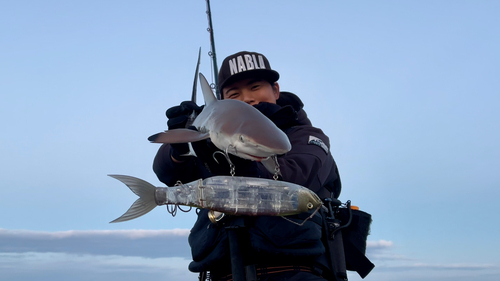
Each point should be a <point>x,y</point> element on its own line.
<point>252,91</point>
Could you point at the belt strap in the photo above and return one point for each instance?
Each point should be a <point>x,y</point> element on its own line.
<point>357,260</point>
<point>268,270</point>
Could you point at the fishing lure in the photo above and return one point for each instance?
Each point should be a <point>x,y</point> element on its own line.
<point>226,194</point>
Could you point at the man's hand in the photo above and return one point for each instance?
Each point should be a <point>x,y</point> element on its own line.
<point>214,159</point>
<point>178,117</point>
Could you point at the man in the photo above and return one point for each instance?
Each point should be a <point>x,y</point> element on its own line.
<point>272,248</point>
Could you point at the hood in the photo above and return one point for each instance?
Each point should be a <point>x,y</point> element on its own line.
<point>287,111</point>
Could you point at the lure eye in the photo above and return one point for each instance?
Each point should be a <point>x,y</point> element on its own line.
<point>242,139</point>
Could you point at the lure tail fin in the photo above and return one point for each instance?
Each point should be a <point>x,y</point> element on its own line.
<point>146,201</point>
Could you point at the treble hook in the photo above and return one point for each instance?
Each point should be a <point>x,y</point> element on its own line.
<point>277,171</point>
<point>226,155</point>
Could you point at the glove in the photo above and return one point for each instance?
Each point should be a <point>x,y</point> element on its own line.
<point>214,159</point>
<point>178,117</point>
<point>281,116</point>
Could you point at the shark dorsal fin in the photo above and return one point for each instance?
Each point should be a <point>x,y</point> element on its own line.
<point>208,95</point>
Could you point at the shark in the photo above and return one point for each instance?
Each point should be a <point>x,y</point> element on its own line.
<point>234,127</point>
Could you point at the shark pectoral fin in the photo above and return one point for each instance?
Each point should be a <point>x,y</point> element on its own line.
<point>178,136</point>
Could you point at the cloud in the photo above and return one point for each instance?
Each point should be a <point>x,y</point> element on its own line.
<point>95,255</point>
<point>62,266</point>
<point>133,234</point>
<point>391,265</point>
<point>165,254</point>
<point>144,243</point>
<point>415,271</point>
<point>381,244</point>
<point>426,266</point>
<point>381,253</point>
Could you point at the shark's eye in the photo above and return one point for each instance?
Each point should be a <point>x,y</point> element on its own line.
<point>242,139</point>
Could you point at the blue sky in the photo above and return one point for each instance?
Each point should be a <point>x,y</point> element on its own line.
<point>407,91</point>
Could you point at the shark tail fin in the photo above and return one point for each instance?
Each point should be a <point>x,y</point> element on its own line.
<point>146,201</point>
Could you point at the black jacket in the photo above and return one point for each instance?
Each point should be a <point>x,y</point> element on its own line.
<point>309,163</point>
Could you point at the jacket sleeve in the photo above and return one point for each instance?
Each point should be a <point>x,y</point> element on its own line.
<point>170,172</point>
<point>309,163</point>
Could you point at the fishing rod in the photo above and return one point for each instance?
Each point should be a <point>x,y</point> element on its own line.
<point>212,53</point>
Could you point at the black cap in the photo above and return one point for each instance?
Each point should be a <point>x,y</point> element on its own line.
<point>245,65</point>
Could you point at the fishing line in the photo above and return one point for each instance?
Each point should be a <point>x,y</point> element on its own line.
<point>304,221</point>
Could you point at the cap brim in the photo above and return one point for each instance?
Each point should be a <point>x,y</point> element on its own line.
<point>266,74</point>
